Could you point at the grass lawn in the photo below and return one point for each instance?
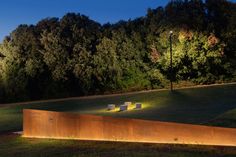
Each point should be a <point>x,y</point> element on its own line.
<point>15,146</point>
<point>195,106</point>
<point>211,106</point>
<point>227,119</point>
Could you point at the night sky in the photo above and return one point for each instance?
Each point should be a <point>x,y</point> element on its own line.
<point>15,12</point>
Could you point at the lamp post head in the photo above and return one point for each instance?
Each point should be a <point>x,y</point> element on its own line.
<point>171,32</point>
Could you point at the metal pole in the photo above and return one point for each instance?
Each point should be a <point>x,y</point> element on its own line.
<point>171,66</point>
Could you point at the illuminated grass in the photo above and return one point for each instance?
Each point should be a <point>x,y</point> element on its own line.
<point>195,106</point>
<point>132,108</point>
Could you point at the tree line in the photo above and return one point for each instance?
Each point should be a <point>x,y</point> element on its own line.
<point>74,55</point>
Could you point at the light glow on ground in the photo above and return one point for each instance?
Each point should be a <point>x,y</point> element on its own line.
<point>117,109</point>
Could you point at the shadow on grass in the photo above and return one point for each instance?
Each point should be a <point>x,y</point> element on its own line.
<point>194,106</point>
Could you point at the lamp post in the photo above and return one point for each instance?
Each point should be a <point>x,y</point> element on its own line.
<point>171,66</point>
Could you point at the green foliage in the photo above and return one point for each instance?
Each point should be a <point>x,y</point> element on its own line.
<point>197,57</point>
<point>107,70</point>
<point>77,56</point>
<point>157,79</point>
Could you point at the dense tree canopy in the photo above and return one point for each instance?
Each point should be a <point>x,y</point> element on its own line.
<point>75,56</point>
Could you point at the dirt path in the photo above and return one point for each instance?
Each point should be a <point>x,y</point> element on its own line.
<point>111,95</point>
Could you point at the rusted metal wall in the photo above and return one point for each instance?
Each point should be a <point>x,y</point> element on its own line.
<point>47,124</point>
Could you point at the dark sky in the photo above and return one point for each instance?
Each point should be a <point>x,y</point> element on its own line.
<point>15,12</point>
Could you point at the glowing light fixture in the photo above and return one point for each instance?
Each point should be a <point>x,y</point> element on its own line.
<point>111,107</point>
<point>138,105</point>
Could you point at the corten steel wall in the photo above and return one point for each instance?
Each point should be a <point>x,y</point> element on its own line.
<point>47,124</point>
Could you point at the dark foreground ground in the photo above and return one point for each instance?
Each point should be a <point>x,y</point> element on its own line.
<point>16,146</point>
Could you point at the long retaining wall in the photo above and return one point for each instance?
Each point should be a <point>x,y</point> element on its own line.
<point>59,125</point>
